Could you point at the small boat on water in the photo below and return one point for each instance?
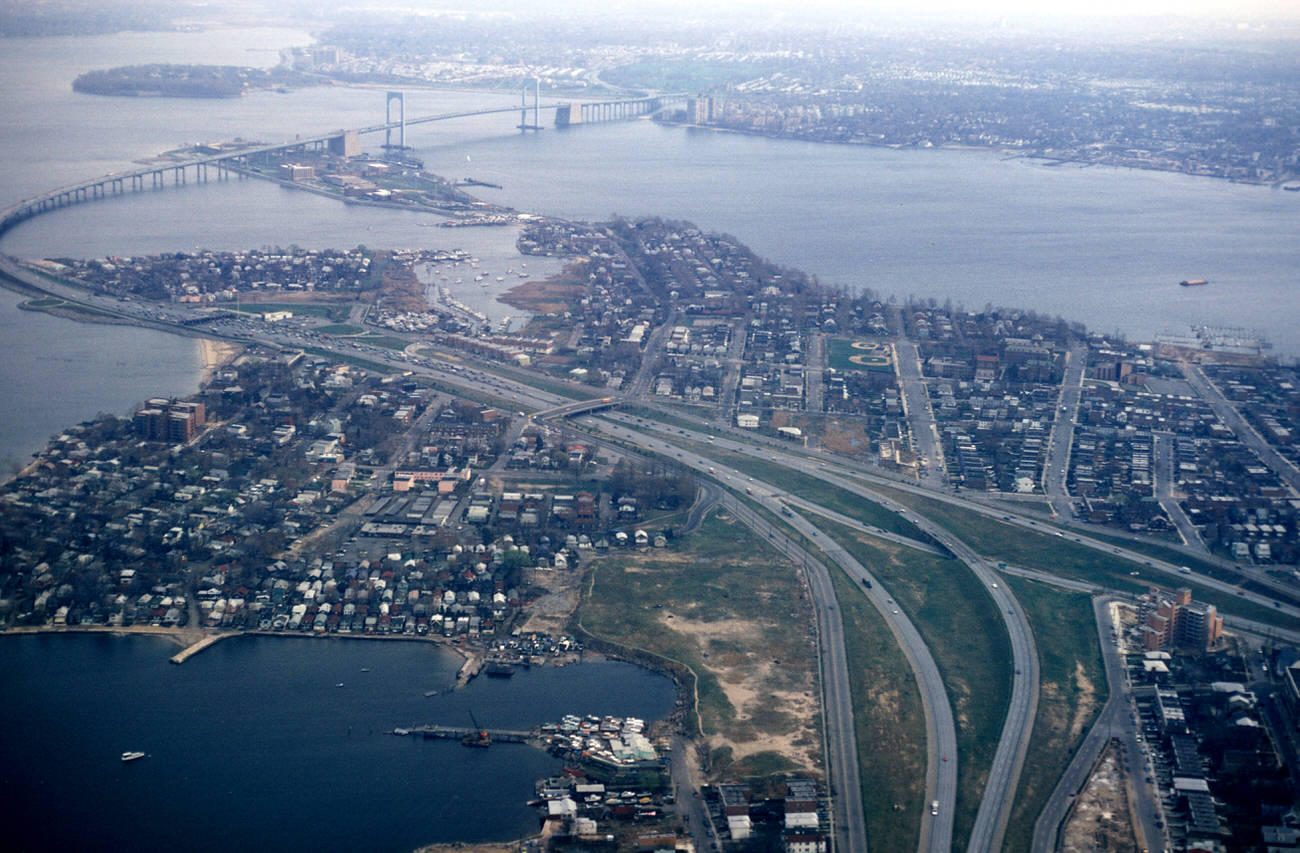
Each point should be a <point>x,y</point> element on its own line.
<point>132,756</point>
<point>1192,282</point>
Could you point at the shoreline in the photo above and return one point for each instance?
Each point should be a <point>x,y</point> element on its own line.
<point>195,640</point>
<point>1005,153</point>
<point>215,354</point>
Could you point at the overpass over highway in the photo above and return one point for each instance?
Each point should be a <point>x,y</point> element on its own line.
<point>580,407</point>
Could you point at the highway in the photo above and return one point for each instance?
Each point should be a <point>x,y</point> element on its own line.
<point>839,518</point>
<point>999,793</point>
<point>1004,772</point>
<point>941,737</point>
<point>852,478</point>
<point>841,743</point>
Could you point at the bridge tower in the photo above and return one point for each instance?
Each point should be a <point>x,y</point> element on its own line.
<point>401,120</point>
<point>523,105</point>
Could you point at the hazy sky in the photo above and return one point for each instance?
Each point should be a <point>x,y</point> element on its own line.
<point>1244,9</point>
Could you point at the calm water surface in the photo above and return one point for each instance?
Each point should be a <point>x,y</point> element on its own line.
<point>251,745</point>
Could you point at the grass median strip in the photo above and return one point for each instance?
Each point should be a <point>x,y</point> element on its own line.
<point>888,721</point>
<point>812,489</point>
<point>1072,690</point>
<point>965,634</point>
<point>1059,556</point>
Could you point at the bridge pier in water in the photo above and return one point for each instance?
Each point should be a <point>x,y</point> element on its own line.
<point>400,98</point>
<point>523,105</point>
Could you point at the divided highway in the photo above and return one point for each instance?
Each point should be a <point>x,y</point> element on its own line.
<point>941,733</point>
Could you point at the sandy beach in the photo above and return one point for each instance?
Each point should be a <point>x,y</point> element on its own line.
<point>213,354</point>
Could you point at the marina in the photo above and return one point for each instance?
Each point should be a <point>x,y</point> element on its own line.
<point>609,741</point>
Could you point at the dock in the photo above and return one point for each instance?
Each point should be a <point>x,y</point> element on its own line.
<point>190,651</point>
<point>453,733</point>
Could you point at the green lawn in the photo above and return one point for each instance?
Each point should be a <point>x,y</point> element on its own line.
<point>838,353</point>
<point>812,489</point>
<point>965,634</point>
<point>1072,689</point>
<point>386,341</point>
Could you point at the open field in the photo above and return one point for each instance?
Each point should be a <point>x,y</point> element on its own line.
<point>1072,688</point>
<point>889,723</point>
<point>735,614</point>
<point>965,634</point>
<point>1057,555</point>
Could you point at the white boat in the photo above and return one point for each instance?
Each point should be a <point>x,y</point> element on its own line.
<point>132,756</point>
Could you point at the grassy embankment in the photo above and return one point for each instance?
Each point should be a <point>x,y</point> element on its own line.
<point>1059,556</point>
<point>1166,554</point>
<point>965,633</point>
<point>1072,690</point>
<point>811,489</point>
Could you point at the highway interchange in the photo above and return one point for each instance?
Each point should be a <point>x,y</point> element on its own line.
<point>784,520</point>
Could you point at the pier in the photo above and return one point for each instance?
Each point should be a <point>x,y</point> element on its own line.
<point>453,733</point>
<point>192,650</point>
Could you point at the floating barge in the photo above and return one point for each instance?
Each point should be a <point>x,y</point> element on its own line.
<point>498,669</point>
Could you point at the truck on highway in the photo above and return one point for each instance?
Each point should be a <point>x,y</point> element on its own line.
<point>934,807</point>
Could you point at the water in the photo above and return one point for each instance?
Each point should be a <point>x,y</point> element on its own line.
<point>252,746</point>
<point>57,373</point>
<point>1103,246</point>
<point>60,372</point>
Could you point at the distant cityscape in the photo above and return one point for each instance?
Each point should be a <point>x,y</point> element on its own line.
<point>924,577</point>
